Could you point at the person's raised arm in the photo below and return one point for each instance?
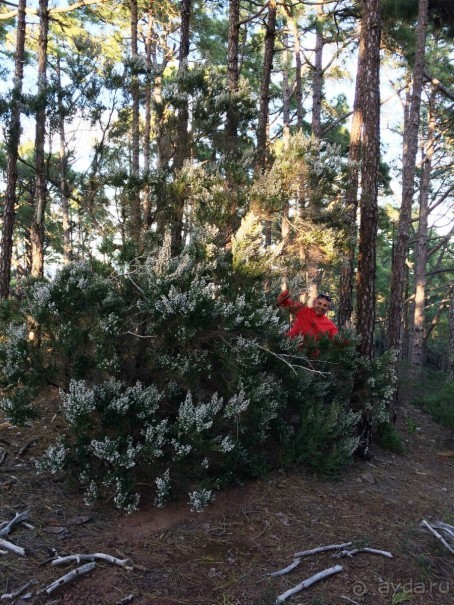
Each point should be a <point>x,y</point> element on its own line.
<point>284,300</point>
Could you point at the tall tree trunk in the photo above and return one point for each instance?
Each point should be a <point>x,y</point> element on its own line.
<point>410,148</point>
<point>182,134</point>
<point>293,25</point>
<point>37,226</point>
<point>369,77</point>
<point>451,336</point>
<point>13,138</point>
<point>63,168</point>
<point>317,78</point>
<point>370,30</point>
<point>262,125</point>
<point>135,223</point>
<point>286,96</point>
<point>345,308</point>
<point>232,119</point>
<point>149,45</point>
<point>313,274</point>
<point>233,75</point>
<point>417,341</point>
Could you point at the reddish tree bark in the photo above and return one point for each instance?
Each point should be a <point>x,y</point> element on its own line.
<point>345,308</point>
<point>13,139</point>
<point>262,125</point>
<point>410,148</point>
<point>365,277</point>
<point>37,226</point>
<point>417,341</point>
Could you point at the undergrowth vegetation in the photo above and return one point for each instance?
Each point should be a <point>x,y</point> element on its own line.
<point>179,371</point>
<point>435,395</point>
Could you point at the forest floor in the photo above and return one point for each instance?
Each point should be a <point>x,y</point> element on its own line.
<point>222,556</point>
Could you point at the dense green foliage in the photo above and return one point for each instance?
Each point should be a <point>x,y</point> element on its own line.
<point>171,373</point>
<point>435,395</point>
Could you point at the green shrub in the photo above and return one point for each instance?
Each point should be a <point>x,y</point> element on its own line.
<point>388,437</point>
<point>435,394</point>
<point>179,373</point>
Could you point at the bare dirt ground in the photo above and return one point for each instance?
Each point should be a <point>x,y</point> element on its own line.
<point>222,556</point>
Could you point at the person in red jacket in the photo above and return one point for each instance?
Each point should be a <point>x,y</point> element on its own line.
<point>309,321</point>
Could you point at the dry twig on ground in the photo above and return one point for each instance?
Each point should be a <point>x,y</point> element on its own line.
<point>321,575</point>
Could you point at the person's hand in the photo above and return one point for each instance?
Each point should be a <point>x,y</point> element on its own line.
<point>283,296</point>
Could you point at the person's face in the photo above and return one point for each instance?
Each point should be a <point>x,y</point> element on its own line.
<point>321,306</point>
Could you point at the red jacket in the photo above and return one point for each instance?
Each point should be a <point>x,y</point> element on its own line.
<point>306,322</point>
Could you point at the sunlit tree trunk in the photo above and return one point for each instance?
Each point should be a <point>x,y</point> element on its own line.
<point>37,226</point>
<point>182,130</point>
<point>417,341</point>
<point>345,308</point>
<point>317,78</point>
<point>63,168</point>
<point>262,125</point>
<point>365,282</point>
<point>233,75</point>
<point>293,26</point>
<point>12,141</point>
<point>410,148</point>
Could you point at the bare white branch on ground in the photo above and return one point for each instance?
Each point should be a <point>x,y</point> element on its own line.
<point>372,551</point>
<point>445,528</point>
<point>349,600</point>
<point>127,599</point>
<point>18,550</point>
<point>287,569</point>
<point>437,535</point>
<point>95,556</point>
<point>12,595</point>
<point>8,526</point>
<point>321,575</point>
<point>314,551</point>
<point>75,573</point>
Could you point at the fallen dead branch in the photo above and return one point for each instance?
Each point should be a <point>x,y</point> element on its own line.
<point>356,551</point>
<point>287,569</point>
<point>8,526</point>
<point>445,528</point>
<point>95,556</point>
<point>126,600</point>
<point>314,551</point>
<point>321,575</point>
<point>12,595</point>
<point>18,550</point>
<point>75,573</point>
<point>437,535</point>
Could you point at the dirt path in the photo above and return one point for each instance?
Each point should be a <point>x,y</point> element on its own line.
<point>222,556</point>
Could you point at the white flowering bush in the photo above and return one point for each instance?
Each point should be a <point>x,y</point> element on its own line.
<point>178,375</point>
<point>64,328</point>
<point>21,372</point>
<point>198,500</point>
<point>80,315</point>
